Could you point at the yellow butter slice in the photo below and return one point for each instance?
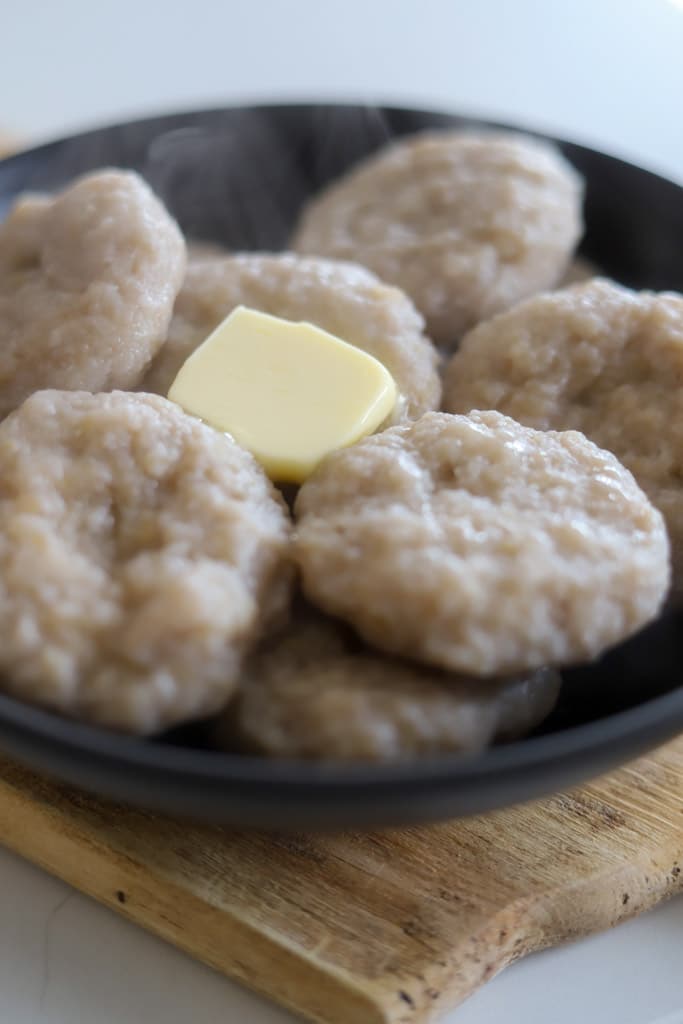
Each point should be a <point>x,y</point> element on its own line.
<point>288,392</point>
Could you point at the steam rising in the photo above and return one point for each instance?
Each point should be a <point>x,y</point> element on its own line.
<point>238,177</point>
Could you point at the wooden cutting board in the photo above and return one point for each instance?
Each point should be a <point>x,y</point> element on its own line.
<point>395,926</point>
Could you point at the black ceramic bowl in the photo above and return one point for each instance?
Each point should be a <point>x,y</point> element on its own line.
<point>239,176</point>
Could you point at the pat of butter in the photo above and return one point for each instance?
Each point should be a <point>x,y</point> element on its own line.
<point>288,392</point>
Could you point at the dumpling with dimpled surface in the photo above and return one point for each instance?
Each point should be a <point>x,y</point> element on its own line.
<point>142,555</point>
<point>466,223</point>
<point>87,285</point>
<point>481,546</point>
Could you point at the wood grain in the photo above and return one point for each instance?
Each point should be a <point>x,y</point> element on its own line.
<point>395,926</point>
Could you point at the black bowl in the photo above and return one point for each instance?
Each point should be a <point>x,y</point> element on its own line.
<point>239,176</point>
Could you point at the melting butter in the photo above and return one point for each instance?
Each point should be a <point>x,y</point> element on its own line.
<point>288,392</point>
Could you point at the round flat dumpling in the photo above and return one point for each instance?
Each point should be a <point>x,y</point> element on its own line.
<point>315,692</point>
<point>142,554</point>
<point>87,285</point>
<point>478,545</point>
<point>598,358</point>
<point>340,298</point>
<point>466,223</point>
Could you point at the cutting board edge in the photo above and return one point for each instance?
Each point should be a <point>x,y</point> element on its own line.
<point>47,823</point>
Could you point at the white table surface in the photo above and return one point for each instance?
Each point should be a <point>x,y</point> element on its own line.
<point>607,72</point>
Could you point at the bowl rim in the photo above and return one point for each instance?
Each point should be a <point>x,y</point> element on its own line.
<point>660,718</point>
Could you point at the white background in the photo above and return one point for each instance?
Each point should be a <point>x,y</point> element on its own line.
<point>607,72</point>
